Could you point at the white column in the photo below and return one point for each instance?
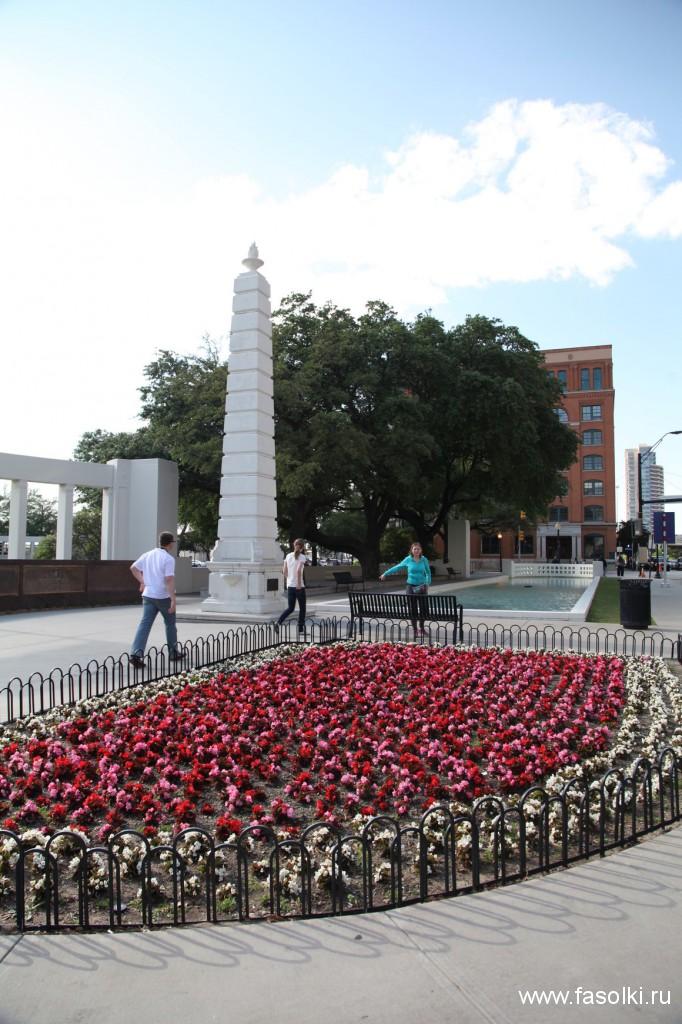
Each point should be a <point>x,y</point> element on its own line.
<point>64,521</point>
<point>18,500</point>
<point>106,544</point>
<point>245,578</point>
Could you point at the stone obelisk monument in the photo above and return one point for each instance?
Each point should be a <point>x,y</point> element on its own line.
<point>245,578</point>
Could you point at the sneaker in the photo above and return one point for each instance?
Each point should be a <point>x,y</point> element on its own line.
<point>179,656</point>
<point>275,625</point>
<point>137,660</point>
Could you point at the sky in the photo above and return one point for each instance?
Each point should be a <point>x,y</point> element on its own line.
<point>517,160</point>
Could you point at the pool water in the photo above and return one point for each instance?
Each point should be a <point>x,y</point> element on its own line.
<point>527,594</point>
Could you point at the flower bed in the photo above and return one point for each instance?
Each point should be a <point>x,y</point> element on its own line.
<point>332,734</point>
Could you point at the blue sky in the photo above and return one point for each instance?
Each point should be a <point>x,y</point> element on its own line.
<point>520,160</point>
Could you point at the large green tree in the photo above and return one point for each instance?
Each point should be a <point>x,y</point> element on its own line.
<point>496,441</point>
<point>348,428</point>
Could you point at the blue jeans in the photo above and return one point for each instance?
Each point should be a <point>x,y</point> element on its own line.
<point>294,595</point>
<point>151,606</point>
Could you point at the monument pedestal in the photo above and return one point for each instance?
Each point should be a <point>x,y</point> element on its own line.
<point>249,591</point>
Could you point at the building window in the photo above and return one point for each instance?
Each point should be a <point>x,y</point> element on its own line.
<point>592,463</point>
<point>550,374</point>
<point>593,486</point>
<point>558,514</point>
<point>561,377</point>
<point>590,412</point>
<point>594,513</point>
<point>591,437</point>
<point>596,379</point>
<point>584,379</point>
<point>490,544</point>
<point>593,546</point>
<point>562,414</point>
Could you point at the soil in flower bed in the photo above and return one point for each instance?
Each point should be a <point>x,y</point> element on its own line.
<point>336,734</point>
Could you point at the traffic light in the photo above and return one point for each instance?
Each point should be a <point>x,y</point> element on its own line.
<point>522,535</point>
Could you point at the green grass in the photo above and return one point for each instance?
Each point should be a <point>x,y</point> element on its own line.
<point>606,604</point>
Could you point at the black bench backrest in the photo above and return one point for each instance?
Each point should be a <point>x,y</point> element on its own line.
<point>443,607</point>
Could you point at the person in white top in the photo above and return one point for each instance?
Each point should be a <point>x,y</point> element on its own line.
<point>292,570</point>
<point>155,572</point>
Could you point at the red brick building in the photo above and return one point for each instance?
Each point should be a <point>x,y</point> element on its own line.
<point>581,524</point>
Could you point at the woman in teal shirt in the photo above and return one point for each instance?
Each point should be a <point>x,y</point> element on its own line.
<point>418,579</point>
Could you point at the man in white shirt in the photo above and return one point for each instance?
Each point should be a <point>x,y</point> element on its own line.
<point>292,570</point>
<point>155,572</point>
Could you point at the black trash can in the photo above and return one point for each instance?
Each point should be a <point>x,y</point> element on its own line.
<point>635,603</point>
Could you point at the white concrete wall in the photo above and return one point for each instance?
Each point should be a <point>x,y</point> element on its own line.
<point>459,546</point>
<point>144,501</point>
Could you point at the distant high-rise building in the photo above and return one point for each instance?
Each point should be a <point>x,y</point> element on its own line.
<point>631,485</point>
<point>652,484</point>
<point>652,488</point>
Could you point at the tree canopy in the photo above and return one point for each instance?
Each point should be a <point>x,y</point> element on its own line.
<point>376,420</point>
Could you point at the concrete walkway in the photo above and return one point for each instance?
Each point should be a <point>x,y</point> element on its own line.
<point>606,926</point>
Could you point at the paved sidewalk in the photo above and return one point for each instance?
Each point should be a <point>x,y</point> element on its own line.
<point>604,926</point>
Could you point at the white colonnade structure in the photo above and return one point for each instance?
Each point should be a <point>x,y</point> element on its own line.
<point>245,579</point>
<point>140,498</point>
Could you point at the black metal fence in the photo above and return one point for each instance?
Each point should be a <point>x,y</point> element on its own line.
<point>42,692</point>
<point>195,877</point>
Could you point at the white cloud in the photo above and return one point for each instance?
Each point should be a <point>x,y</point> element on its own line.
<point>100,269</point>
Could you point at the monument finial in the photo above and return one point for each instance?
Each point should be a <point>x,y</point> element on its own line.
<point>252,261</point>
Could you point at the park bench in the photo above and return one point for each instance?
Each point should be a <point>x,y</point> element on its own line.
<point>346,579</point>
<point>430,607</point>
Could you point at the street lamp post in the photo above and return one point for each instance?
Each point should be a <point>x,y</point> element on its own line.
<point>499,548</point>
<point>640,460</point>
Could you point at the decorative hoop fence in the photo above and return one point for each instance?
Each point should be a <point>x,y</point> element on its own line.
<point>43,692</point>
<point>132,881</point>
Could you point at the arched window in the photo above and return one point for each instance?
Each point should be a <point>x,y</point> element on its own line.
<point>591,437</point>
<point>558,514</point>
<point>594,513</point>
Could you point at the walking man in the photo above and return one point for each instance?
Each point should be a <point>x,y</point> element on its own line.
<point>155,572</point>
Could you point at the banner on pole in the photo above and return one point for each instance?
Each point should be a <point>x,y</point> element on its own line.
<point>664,527</point>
